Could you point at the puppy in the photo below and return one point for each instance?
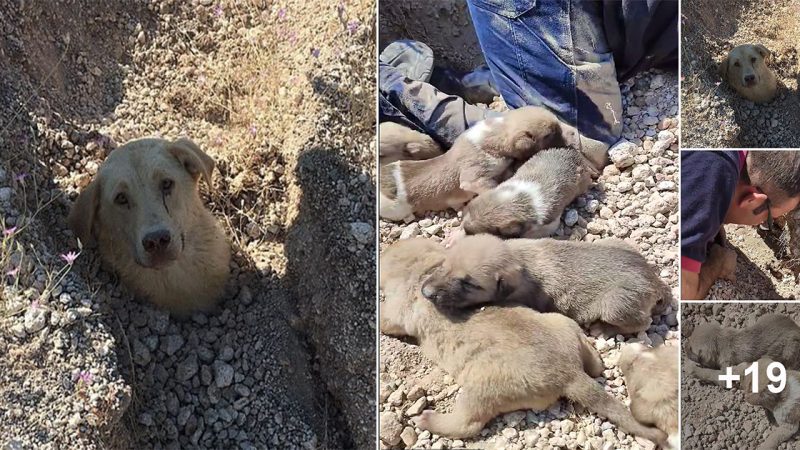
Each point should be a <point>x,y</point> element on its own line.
<point>530,203</point>
<point>772,335</point>
<point>397,143</point>
<point>477,161</point>
<point>144,211</point>
<point>506,359</point>
<point>745,69</point>
<point>651,375</point>
<point>782,408</point>
<point>606,285</point>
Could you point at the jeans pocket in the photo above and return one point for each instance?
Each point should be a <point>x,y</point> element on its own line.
<point>506,8</point>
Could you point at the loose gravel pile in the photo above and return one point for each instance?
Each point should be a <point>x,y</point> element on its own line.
<point>281,94</point>
<point>715,418</point>
<point>714,115</point>
<point>634,199</point>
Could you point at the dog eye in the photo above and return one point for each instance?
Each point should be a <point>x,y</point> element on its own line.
<point>737,64</point>
<point>753,59</point>
<point>121,199</point>
<point>469,285</point>
<point>166,186</point>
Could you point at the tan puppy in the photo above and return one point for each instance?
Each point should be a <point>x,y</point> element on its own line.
<point>782,408</point>
<point>530,203</point>
<point>477,161</point>
<point>145,213</point>
<point>745,69</point>
<point>606,284</point>
<point>772,335</point>
<point>651,375</point>
<point>506,359</point>
<point>397,143</point>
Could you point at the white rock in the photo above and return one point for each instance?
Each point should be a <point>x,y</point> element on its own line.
<point>621,154</point>
<point>362,232</point>
<point>35,319</point>
<point>391,428</point>
<point>410,231</point>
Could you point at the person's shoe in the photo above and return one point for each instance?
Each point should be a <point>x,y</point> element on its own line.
<point>411,58</point>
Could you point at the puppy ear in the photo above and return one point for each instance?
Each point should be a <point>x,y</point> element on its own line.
<point>722,68</point>
<point>763,51</point>
<point>194,160</point>
<point>523,142</point>
<point>508,281</point>
<point>82,215</point>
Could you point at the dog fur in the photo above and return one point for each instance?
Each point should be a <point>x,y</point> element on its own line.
<point>772,335</point>
<point>651,376</point>
<point>144,212</point>
<point>477,162</point>
<point>397,143</point>
<point>505,358</point>
<point>745,69</point>
<point>606,284</point>
<point>530,203</point>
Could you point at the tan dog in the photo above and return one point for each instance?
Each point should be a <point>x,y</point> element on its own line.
<point>476,163</point>
<point>772,335</point>
<point>506,359</point>
<point>397,143</point>
<point>606,284</point>
<point>651,375</point>
<point>745,69</point>
<point>145,213</point>
<point>782,408</point>
<point>530,203</point>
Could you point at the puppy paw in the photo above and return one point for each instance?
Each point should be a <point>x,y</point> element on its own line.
<point>454,236</point>
<point>423,421</point>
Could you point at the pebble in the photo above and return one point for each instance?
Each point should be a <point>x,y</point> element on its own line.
<point>362,232</point>
<point>223,374</point>
<point>390,428</point>
<point>571,217</point>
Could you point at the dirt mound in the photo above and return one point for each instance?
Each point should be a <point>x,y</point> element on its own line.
<point>713,114</point>
<point>282,97</point>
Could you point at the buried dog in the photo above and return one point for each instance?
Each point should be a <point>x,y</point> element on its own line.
<point>144,211</point>
<point>505,358</point>
<point>478,160</point>
<point>745,69</point>
<point>606,284</point>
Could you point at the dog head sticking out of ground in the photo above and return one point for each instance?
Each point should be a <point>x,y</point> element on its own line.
<point>479,269</point>
<point>144,211</point>
<point>745,69</point>
<point>701,344</point>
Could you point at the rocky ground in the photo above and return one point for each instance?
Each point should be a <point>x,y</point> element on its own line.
<point>281,94</point>
<point>635,199</point>
<point>713,115</point>
<point>715,418</point>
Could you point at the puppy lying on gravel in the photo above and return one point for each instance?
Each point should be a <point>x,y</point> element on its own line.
<point>651,375</point>
<point>606,284</point>
<point>745,69</point>
<point>397,143</point>
<point>477,162</point>
<point>773,336</point>
<point>530,203</point>
<point>506,359</point>
<point>145,213</point>
<point>782,409</point>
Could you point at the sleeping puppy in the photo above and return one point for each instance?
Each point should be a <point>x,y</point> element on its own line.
<point>606,284</point>
<point>505,359</point>
<point>530,203</point>
<point>651,376</point>
<point>477,162</point>
<point>397,143</point>
<point>775,336</point>
<point>745,69</point>
<point>144,211</point>
<point>782,408</point>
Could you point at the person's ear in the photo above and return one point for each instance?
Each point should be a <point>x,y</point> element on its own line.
<point>752,198</point>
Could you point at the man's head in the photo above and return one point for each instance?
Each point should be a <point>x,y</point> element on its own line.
<point>770,183</point>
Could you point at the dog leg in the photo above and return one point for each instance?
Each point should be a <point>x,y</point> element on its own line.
<point>778,436</point>
<point>390,317</point>
<point>721,263</point>
<point>467,419</point>
<point>592,364</point>
<point>701,373</point>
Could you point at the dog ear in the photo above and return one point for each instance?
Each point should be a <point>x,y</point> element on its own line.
<point>508,281</point>
<point>763,51</point>
<point>82,215</point>
<point>523,143</point>
<point>722,68</point>
<point>194,160</point>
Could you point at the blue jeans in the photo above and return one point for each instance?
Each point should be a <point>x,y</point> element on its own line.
<point>566,55</point>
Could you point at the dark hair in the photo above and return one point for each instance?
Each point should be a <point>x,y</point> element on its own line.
<point>771,170</point>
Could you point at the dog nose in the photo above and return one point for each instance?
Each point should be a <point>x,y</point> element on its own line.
<point>428,292</point>
<point>156,241</point>
<point>749,78</point>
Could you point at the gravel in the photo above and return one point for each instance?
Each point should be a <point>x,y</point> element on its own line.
<point>635,198</point>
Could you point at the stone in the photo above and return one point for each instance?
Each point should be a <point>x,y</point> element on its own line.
<point>390,429</point>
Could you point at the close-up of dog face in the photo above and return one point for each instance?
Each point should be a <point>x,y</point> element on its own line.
<point>142,202</point>
<point>745,65</point>
<point>701,345</point>
<point>500,211</point>
<point>531,129</point>
<point>476,270</point>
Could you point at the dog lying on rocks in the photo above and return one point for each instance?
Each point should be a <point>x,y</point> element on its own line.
<point>505,358</point>
<point>144,211</point>
<point>398,143</point>
<point>607,285</point>
<point>477,162</point>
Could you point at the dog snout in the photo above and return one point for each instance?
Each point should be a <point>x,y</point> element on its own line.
<point>429,291</point>
<point>749,79</point>
<point>157,241</point>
